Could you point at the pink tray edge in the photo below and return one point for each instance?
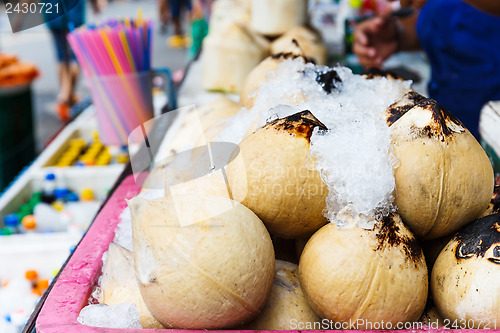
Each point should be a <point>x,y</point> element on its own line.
<point>71,291</point>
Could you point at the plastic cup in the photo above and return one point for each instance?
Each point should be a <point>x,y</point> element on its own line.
<point>122,103</point>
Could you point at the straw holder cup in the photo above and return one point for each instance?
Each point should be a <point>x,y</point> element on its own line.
<point>122,102</point>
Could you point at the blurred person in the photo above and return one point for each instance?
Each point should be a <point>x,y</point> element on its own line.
<point>68,69</point>
<point>199,27</point>
<point>163,15</point>
<point>461,40</point>
<point>177,10</point>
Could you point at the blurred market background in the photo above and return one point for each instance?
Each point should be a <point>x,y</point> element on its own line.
<point>35,45</point>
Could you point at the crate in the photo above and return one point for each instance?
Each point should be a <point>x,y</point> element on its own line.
<point>17,144</point>
<point>74,285</point>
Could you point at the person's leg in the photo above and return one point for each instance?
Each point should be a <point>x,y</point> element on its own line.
<point>74,71</point>
<point>175,8</point>
<point>64,82</point>
<point>162,8</point>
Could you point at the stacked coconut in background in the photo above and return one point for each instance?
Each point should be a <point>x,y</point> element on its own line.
<point>358,171</point>
<point>240,38</point>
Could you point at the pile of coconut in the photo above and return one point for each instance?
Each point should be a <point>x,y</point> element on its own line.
<point>244,32</point>
<point>358,171</point>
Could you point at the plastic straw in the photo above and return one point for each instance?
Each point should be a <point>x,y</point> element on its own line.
<point>117,48</point>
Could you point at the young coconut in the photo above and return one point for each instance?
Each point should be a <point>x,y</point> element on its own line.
<point>400,107</point>
<point>225,12</point>
<point>286,302</point>
<point>444,179</point>
<point>353,273</point>
<point>309,40</point>
<point>273,18</point>
<point>214,117</point>
<point>260,74</point>
<point>229,55</point>
<point>119,284</point>
<point>465,277</point>
<point>202,262</point>
<point>279,181</point>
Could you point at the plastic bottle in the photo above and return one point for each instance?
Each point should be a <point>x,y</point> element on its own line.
<point>82,212</point>
<point>49,219</point>
<point>60,197</point>
<point>48,187</point>
<point>24,210</point>
<point>12,223</point>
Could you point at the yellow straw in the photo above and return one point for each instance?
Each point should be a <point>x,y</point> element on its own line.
<point>139,17</point>
<point>111,52</point>
<point>128,53</point>
<point>120,71</point>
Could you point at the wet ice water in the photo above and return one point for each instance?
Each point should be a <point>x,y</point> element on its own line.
<point>354,157</point>
<point>123,315</point>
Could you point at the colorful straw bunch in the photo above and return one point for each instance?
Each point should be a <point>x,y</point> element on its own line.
<point>116,59</point>
<point>115,47</point>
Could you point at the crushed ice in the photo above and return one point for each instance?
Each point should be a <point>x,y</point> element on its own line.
<point>124,315</point>
<point>354,157</point>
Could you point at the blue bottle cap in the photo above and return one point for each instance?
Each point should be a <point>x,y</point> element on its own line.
<point>71,197</point>
<point>50,176</point>
<point>11,220</point>
<point>60,193</point>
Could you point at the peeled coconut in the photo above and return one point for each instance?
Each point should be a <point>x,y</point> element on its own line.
<point>119,284</point>
<point>494,206</point>
<point>260,74</point>
<point>213,183</point>
<point>229,55</point>
<point>273,18</point>
<point>278,180</point>
<point>309,40</point>
<point>444,179</point>
<point>286,302</point>
<point>465,277</point>
<point>225,12</point>
<point>202,262</point>
<point>214,117</point>
<point>375,275</point>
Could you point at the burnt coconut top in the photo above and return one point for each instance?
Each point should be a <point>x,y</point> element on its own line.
<point>300,124</point>
<point>388,234</point>
<point>293,55</point>
<point>400,107</point>
<point>478,237</point>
